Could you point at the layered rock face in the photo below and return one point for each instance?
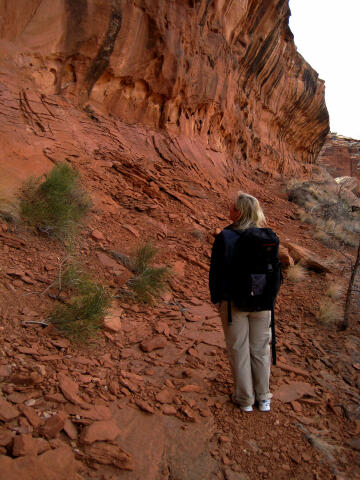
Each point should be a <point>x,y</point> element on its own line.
<point>342,156</point>
<point>222,71</point>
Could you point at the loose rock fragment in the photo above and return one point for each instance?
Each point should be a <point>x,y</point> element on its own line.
<point>31,415</point>
<point>108,454</point>
<point>153,343</point>
<point>144,406</point>
<point>70,429</point>
<point>53,425</point>
<point>24,445</point>
<point>166,395</point>
<point>168,410</point>
<point>190,388</point>
<point>7,411</point>
<point>100,431</point>
<point>69,389</point>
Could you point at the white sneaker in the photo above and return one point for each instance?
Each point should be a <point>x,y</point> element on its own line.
<point>247,409</point>
<point>264,405</point>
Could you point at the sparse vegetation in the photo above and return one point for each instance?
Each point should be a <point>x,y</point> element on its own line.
<point>198,234</point>
<point>328,206</point>
<point>57,204</point>
<point>8,210</point>
<point>334,291</point>
<point>86,304</point>
<point>296,273</point>
<point>329,312</point>
<point>335,213</point>
<point>149,281</point>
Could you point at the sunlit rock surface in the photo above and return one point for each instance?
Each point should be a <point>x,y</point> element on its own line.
<point>342,156</point>
<point>224,72</point>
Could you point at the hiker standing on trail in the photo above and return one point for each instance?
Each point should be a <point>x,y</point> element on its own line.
<point>245,277</point>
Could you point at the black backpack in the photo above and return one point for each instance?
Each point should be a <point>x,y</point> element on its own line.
<point>254,271</point>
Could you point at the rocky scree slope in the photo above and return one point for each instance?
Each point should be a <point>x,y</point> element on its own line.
<point>151,397</point>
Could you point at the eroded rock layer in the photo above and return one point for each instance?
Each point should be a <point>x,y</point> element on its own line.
<point>342,156</point>
<point>222,70</point>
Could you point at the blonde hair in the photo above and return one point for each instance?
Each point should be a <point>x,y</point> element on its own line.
<point>251,214</point>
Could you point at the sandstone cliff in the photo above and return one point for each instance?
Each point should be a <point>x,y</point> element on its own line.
<point>225,72</point>
<point>342,156</point>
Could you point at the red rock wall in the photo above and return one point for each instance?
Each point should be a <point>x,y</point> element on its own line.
<point>226,72</point>
<point>342,155</point>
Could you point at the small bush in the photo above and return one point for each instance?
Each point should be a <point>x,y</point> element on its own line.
<point>324,238</point>
<point>81,316</point>
<point>56,205</point>
<point>143,256</point>
<point>329,312</point>
<point>334,291</point>
<point>149,281</point>
<point>8,210</point>
<point>296,273</point>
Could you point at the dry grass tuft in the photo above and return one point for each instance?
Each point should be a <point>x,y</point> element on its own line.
<point>296,273</point>
<point>335,291</point>
<point>329,312</point>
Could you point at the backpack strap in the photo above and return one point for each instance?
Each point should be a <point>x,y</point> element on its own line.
<point>229,312</point>
<point>273,338</point>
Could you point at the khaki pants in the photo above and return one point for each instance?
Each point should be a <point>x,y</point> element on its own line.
<point>247,341</point>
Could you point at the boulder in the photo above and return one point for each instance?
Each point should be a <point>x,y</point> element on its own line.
<point>309,259</point>
<point>285,257</point>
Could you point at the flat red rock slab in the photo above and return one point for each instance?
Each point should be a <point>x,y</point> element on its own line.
<point>56,464</point>
<point>293,391</point>
<point>69,389</point>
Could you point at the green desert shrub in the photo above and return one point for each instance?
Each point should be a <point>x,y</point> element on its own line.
<point>149,281</point>
<point>85,306</point>
<point>57,204</point>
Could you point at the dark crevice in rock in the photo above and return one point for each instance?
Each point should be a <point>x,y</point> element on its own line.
<point>101,61</point>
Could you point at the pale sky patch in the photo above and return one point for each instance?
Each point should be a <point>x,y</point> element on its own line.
<point>327,35</point>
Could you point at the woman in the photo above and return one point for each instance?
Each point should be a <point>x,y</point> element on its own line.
<point>246,325</point>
